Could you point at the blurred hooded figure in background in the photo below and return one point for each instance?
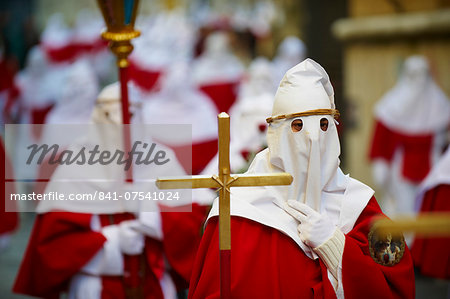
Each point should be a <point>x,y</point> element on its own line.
<point>78,96</point>
<point>110,247</point>
<point>290,52</point>
<point>218,72</point>
<point>255,100</point>
<point>432,255</point>
<point>179,102</point>
<point>409,136</point>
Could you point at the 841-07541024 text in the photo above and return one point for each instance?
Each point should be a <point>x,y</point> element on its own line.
<point>139,195</point>
<point>99,195</point>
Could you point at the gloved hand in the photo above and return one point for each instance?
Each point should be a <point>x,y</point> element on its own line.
<point>314,228</point>
<point>131,241</point>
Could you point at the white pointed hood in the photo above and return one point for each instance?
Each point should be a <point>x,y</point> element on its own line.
<point>310,155</point>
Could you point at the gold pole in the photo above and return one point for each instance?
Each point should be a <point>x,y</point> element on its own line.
<point>224,174</point>
<point>425,225</point>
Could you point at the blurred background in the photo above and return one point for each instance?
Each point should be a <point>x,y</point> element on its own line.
<point>361,44</point>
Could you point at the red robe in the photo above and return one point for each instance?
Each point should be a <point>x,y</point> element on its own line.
<point>266,263</point>
<point>145,79</point>
<point>416,151</point>
<point>194,157</point>
<point>9,219</point>
<point>223,94</point>
<point>7,86</point>
<point>432,255</point>
<point>61,243</point>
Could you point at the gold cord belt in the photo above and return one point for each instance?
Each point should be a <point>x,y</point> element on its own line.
<point>334,112</point>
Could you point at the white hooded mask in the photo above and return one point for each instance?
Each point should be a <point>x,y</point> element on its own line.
<point>311,155</point>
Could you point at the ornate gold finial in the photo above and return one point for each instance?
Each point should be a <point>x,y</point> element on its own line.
<point>119,16</point>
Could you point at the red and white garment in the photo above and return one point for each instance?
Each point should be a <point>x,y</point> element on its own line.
<point>63,44</point>
<point>8,209</point>
<point>39,88</point>
<point>254,103</point>
<point>57,40</point>
<point>146,66</point>
<point>432,255</point>
<point>86,35</point>
<point>109,249</point>
<point>9,104</point>
<point>409,135</point>
<point>166,38</point>
<point>38,91</point>
<point>78,96</point>
<point>91,46</point>
<point>179,102</point>
<point>87,257</point>
<point>218,72</point>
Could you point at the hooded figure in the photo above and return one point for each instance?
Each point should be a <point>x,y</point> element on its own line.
<point>179,102</point>
<point>117,243</point>
<point>255,100</point>
<point>8,209</point>
<point>90,45</point>
<point>432,255</point>
<point>411,123</point>
<point>218,72</point>
<point>309,239</point>
<point>167,39</point>
<point>40,86</point>
<point>291,51</point>
<point>57,40</point>
<point>78,95</point>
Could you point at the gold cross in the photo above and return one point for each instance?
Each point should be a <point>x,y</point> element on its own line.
<point>224,180</point>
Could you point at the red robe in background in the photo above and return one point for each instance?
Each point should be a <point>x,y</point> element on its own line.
<point>62,243</point>
<point>8,90</point>
<point>432,255</point>
<point>222,94</point>
<point>8,220</point>
<point>266,263</point>
<point>416,151</point>
<point>145,79</point>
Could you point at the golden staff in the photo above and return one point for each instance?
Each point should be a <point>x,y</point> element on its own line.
<point>224,180</point>
<point>120,16</point>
